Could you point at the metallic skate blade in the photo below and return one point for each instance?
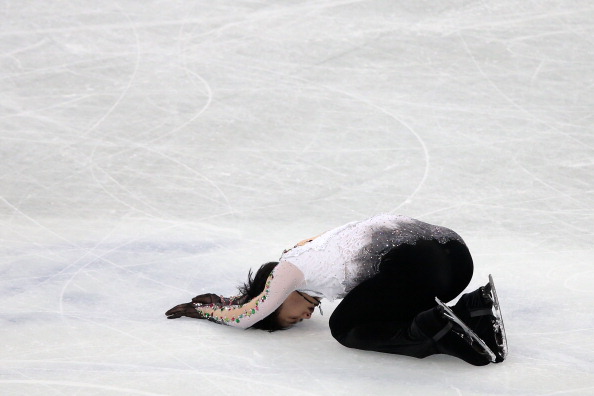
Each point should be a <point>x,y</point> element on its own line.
<point>500,328</point>
<point>485,349</point>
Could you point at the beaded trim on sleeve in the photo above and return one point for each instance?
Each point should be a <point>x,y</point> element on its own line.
<point>217,317</point>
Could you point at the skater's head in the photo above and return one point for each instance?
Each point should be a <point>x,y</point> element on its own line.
<point>297,307</point>
<point>294,309</point>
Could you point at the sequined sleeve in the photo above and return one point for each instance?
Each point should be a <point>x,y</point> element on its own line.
<point>284,279</point>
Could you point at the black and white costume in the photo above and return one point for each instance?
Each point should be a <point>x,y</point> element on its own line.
<point>388,269</point>
<point>340,259</point>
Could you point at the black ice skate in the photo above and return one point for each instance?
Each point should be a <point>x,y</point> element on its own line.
<point>466,333</point>
<point>480,310</point>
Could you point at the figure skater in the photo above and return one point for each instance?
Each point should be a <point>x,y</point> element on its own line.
<point>391,272</point>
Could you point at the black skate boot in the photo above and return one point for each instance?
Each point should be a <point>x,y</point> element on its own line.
<point>451,336</point>
<point>459,328</point>
<point>480,311</point>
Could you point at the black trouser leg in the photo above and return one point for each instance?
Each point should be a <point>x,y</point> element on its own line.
<point>379,313</point>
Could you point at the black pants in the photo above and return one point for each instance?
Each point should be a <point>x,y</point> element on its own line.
<point>377,314</point>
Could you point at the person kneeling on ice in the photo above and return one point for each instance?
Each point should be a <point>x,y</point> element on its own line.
<point>392,272</point>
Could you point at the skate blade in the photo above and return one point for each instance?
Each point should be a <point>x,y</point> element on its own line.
<point>476,340</point>
<point>500,336</point>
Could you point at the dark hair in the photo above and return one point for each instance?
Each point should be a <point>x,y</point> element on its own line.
<point>253,287</point>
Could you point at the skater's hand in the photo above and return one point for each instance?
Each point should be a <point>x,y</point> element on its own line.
<point>207,298</point>
<point>186,309</point>
<point>308,240</point>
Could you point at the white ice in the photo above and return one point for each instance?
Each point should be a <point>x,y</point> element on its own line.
<point>156,150</point>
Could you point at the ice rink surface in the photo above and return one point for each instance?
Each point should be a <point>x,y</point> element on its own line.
<point>156,150</point>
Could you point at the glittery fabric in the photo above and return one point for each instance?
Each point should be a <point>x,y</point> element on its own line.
<point>340,259</point>
<point>328,266</point>
<point>235,313</point>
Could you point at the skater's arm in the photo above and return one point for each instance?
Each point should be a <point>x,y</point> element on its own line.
<point>284,279</point>
<point>210,299</point>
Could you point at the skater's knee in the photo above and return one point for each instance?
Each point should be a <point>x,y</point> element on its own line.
<point>350,339</point>
<point>347,335</point>
<point>367,337</point>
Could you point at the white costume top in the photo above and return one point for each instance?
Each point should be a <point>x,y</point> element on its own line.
<point>331,265</point>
